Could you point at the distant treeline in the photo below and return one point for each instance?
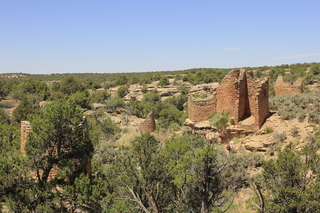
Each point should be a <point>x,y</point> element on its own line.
<point>135,77</point>
<point>308,71</point>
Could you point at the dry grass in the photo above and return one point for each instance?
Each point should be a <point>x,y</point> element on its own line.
<point>125,139</point>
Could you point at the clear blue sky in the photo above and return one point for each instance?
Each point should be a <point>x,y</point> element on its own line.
<point>65,36</point>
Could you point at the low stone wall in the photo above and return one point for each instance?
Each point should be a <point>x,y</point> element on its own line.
<point>282,87</point>
<point>199,109</point>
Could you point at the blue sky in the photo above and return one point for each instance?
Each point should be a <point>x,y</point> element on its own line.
<point>65,36</point>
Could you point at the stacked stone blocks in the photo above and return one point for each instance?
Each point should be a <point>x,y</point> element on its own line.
<point>282,87</point>
<point>149,124</point>
<point>25,129</point>
<point>238,94</point>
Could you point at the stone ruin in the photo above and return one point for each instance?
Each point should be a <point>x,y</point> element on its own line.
<point>238,94</point>
<point>26,128</point>
<point>282,87</point>
<point>149,124</point>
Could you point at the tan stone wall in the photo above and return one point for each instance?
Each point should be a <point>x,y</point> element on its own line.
<point>263,101</point>
<point>25,128</point>
<point>227,97</point>
<point>199,109</point>
<point>149,124</point>
<point>53,172</point>
<point>282,87</point>
<point>258,95</point>
<point>239,94</point>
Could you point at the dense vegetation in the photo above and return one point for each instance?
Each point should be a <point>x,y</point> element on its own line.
<point>186,173</point>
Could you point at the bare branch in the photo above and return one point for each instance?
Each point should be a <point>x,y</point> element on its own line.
<point>137,199</point>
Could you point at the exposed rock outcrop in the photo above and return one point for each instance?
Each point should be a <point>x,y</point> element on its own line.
<point>255,146</point>
<point>135,91</point>
<point>164,92</point>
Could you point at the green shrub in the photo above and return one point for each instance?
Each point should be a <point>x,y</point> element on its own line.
<point>164,81</point>
<point>114,103</point>
<point>108,127</point>
<point>186,130</point>
<point>6,105</point>
<point>211,115</point>
<point>100,113</point>
<point>301,116</point>
<point>297,106</point>
<point>310,138</point>
<point>122,80</point>
<point>174,127</point>
<point>247,160</point>
<point>177,101</point>
<point>268,129</point>
<point>122,91</point>
<point>288,111</point>
<point>171,115</point>
<point>220,121</point>
<point>144,88</point>
<point>81,99</point>
<point>273,148</point>
<point>184,89</point>
<point>232,122</point>
<point>295,131</point>
<point>151,97</point>
<point>280,136</point>
<point>100,97</point>
<point>202,96</point>
<point>4,118</point>
<point>70,85</point>
<point>108,85</point>
<point>139,109</point>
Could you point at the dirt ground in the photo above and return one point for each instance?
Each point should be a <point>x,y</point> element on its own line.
<point>14,104</point>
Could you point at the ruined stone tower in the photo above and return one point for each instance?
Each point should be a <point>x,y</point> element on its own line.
<point>25,129</point>
<point>282,87</point>
<point>202,101</point>
<point>149,124</point>
<point>238,94</point>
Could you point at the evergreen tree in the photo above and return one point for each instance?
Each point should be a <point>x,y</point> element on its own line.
<point>292,181</point>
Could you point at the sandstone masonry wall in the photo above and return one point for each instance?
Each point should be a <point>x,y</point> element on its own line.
<point>25,129</point>
<point>282,87</point>
<point>199,109</point>
<point>239,94</point>
<point>227,94</point>
<point>149,124</point>
<point>263,101</point>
